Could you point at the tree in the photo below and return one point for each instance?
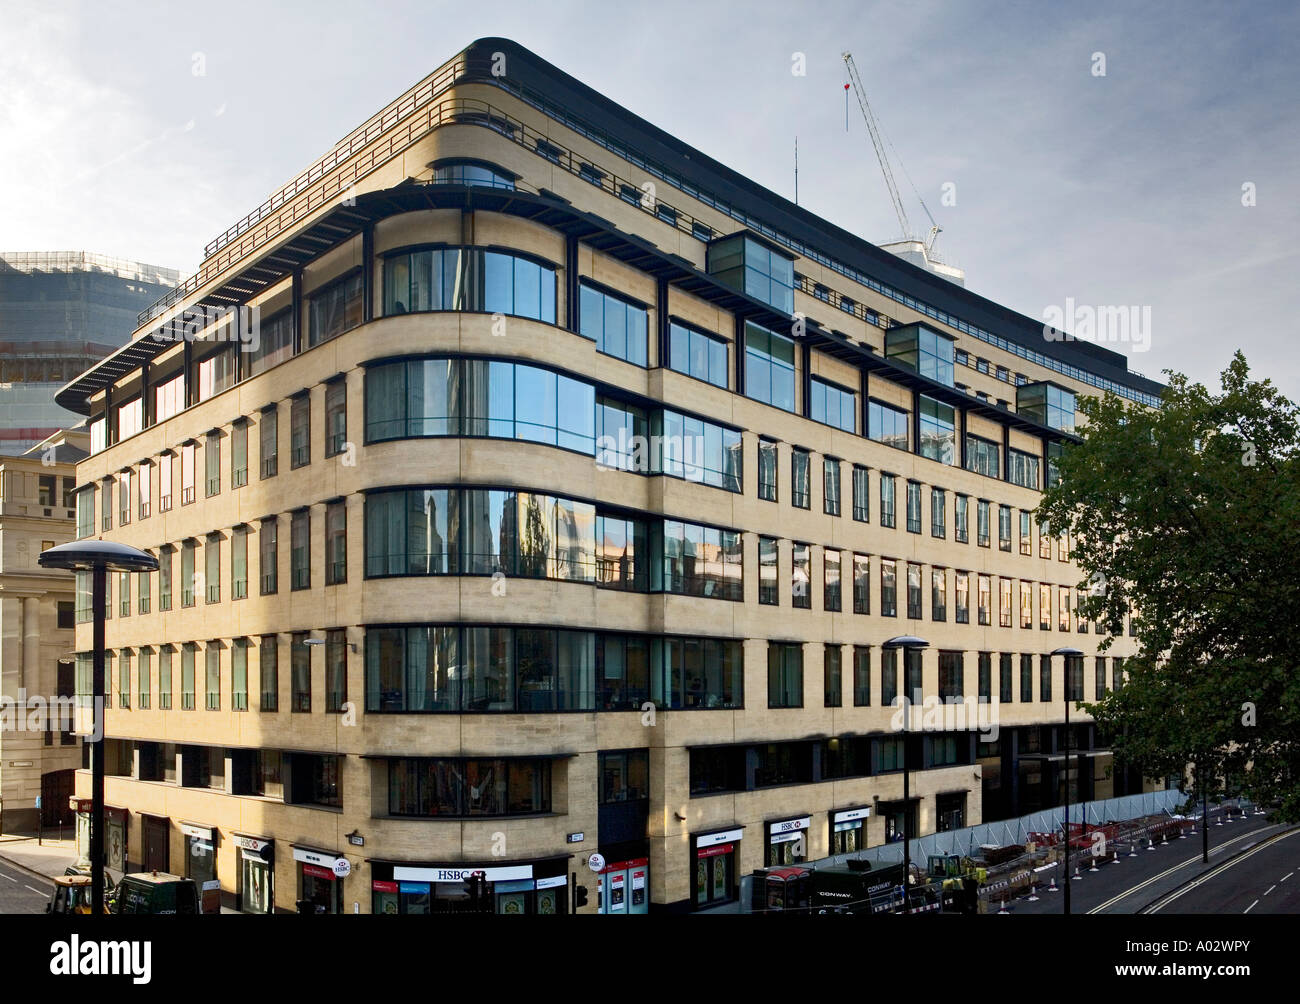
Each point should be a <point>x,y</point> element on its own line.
<point>1189,515</point>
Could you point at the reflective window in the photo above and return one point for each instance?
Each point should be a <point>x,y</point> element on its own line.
<point>618,328</point>
<point>472,172</point>
<point>697,354</point>
<point>274,343</point>
<point>938,435</point>
<point>335,309</point>
<point>982,456</point>
<point>744,264</point>
<point>887,425</point>
<point>1022,468</point>
<point>469,279</point>
<point>833,405</point>
<point>927,352</point>
<point>769,367</point>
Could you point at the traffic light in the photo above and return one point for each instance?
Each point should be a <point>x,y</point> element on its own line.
<point>579,896</point>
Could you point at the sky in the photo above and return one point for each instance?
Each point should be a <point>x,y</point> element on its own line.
<point>1088,154</point>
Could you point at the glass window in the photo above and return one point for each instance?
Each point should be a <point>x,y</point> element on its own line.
<point>336,543</point>
<point>832,675</point>
<point>951,682</point>
<point>336,417</point>
<point>800,478</point>
<point>861,494</point>
<point>698,561</point>
<point>187,676</point>
<point>622,553</point>
<point>985,600</point>
<point>698,354</point>
<point>766,470</point>
<point>300,550</point>
<point>212,566</point>
<point>299,673</point>
<point>1026,534</point>
<point>938,435</point>
<point>274,345</point>
<point>268,567</point>
<point>800,565</point>
<point>1022,469</point>
<point>938,508</point>
<point>1063,608</point>
<point>168,397</point>
<point>165,678</point>
<point>268,442</point>
<point>861,584</point>
<point>767,571</point>
<point>769,367</point>
<point>85,513</point>
<point>784,675</point>
<point>1045,678</point>
<point>143,682</point>
<point>1026,605</point>
<point>335,309</point>
<point>831,486</point>
<point>213,374</point>
<point>914,591</point>
<point>939,594</point>
<point>123,497</point>
<point>887,500</point>
<point>300,431</point>
<point>982,456</point>
<point>212,688</point>
<point>188,473</point>
<point>696,450</point>
<point>833,405</point>
<point>888,677</point>
<point>469,172</point>
<point>927,352</point>
<point>861,676</point>
<point>888,588</point>
<point>913,507</point>
<point>1004,528</point>
<point>239,675</point>
<point>239,563</point>
<point>269,673</point>
<point>888,425</point>
<point>961,608</point>
<point>1004,603</point>
<point>618,328</point>
<point>1026,679</point>
<point>1006,693</point>
<point>187,574</point>
<point>982,523</point>
<point>1044,607</point>
<point>744,264</point>
<point>831,586</point>
<point>336,671</point>
<point>469,279</point>
<point>239,454</point>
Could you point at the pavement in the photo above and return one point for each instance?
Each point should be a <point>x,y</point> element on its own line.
<point>48,858</point>
<point>1259,880</point>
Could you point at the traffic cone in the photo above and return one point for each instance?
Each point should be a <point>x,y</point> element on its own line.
<point>1033,892</point>
<point>1004,908</point>
<point>1164,839</point>
<point>1133,848</point>
<point>1115,859</point>
<point>1077,876</point>
<point>1052,887</point>
<point>1220,821</point>
<point>1151,843</point>
<point>1094,865</point>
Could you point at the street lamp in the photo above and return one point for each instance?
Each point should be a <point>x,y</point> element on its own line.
<point>1069,653</point>
<point>908,643</point>
<point>98,557</point>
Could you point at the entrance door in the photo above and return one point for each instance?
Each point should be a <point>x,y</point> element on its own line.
<point>155,836</point>
<point>56,790</point>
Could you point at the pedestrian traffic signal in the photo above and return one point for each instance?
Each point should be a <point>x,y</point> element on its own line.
<point>579,896</point>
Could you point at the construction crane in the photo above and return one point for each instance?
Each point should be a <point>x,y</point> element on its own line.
<point>878,142</point>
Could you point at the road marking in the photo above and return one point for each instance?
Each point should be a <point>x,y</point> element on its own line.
<point>1286,876</point>
<point>1249,908</point>
<point>1163,902</point>
<point>1271,888</point>
<point>37,891</point>
<point>9,877</point>
<point>1155,878</point>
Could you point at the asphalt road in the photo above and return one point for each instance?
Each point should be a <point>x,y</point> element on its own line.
<point>1136,881</point>
<point>1262,880</point>
<point>22,892</point>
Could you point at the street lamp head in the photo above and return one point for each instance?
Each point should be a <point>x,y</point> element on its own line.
<point>1067,650</point>
<point>87,555</point>
<point>905,641</point>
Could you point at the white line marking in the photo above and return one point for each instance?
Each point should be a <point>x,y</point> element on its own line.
<point>9,877</point>
<point>1286,876</point>
<point>1249,908</point>
<point>37,891</point>
<point>1271,888</point>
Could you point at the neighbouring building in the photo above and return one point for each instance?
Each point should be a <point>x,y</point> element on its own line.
<point>554,496</point>
<point>60,313</point>
<point>39,751</point>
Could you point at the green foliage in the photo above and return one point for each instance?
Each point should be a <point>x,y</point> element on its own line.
<point>1190,514</point>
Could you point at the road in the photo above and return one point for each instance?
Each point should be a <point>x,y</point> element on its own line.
<point>1262,880</point>
<point>22,892</point>
<point>1136,881</point>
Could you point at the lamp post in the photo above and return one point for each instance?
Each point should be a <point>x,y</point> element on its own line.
<point>908,643</point>
<point>1069,653</point>
<point>98,557</point>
